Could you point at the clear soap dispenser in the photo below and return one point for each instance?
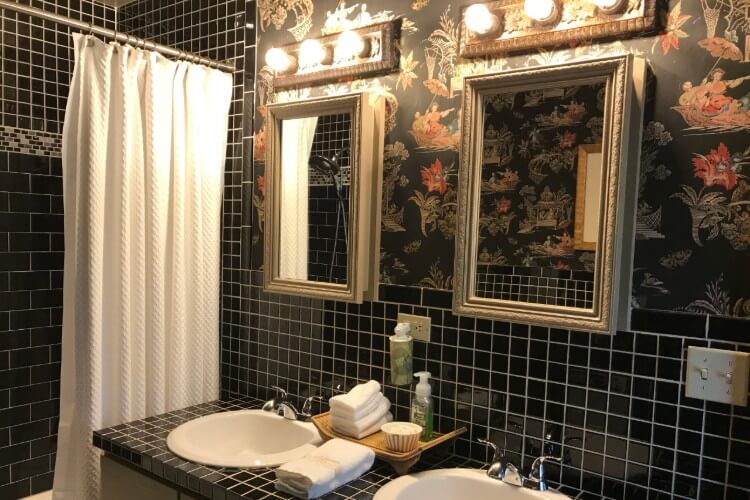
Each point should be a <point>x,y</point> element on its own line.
<point>422,406</point>
<point>401,355</point>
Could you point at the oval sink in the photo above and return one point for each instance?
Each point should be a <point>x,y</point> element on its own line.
<point>453,484</point>
<point>243,439</point>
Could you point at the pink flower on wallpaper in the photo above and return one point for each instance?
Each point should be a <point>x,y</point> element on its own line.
<point>716,168</point>
<point>261,183</point>
<point>670,39</point>
<point>504,205</point>
<point>433,178</point>
<point>568,139</point>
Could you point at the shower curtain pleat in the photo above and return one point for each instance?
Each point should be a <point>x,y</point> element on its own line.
<point>144,143</point>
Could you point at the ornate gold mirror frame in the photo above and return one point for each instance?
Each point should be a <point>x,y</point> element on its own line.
<point>363,255</point>
<point>624,80</point>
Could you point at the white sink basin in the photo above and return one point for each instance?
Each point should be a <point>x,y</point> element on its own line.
<point>243,439</point>
<point>457,484</point>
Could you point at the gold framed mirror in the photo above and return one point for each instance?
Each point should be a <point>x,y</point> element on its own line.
<point>323,185</point>
<point>549,167</point>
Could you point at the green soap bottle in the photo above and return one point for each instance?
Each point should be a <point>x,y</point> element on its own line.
<point>422,406</point>
<point>401,355</point>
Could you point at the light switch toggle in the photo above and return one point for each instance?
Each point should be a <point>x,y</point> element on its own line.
<point>704,373</point>
<point>729,376</point>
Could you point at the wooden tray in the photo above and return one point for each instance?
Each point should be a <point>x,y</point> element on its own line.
<point>401,462</point>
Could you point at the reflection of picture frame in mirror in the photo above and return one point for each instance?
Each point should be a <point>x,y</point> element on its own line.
<point>588,197</point>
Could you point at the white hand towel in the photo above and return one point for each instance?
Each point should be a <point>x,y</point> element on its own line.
<point>357,398</point>
<point>335,463</point>
<point>357,433</point>
<point>343,411</point>
<point>366,421</point>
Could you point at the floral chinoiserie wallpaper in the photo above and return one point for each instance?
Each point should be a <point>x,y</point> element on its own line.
<point>693,216</point>
<point>529,174</point>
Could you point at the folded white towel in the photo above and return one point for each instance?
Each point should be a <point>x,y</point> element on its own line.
<point>357,398</point>
<point>365,422</point>
<point>359,433</point>
<point>343,411</point>
<point>335,463</point>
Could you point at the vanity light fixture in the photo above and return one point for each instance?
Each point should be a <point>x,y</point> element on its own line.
<point>500,27</point>
<point>480,20</point>
<point>609,6</point>
<point>279,60</point>
<point>364,52</point>
<point>541,11</point>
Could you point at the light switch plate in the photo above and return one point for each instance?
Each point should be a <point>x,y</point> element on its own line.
<point>717,375</point>
<point>420,326</point>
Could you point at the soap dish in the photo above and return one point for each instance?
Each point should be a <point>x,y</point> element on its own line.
<point>400,461</point>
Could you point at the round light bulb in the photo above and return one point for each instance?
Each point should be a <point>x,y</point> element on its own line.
<point>540,10</point>
<point>311,53</point>
<point>349,46</point>
<point>479,19</point>
<point>278,59</point>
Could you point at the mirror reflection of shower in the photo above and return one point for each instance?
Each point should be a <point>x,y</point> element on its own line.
<point>329,170</point>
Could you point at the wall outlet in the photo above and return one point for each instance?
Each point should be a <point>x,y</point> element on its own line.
<point>717,375</point>
<point>420,326</point>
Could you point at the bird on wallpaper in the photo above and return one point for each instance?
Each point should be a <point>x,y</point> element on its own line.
<point>651,281</point>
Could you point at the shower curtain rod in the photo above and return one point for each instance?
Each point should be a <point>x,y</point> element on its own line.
<point>116,35</point>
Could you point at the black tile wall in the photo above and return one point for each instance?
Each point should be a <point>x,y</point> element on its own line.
<point>612,406</point>
<point>38,63</point>
<point>31,252</point>
<point>327,252</point>
<point>37,66</point>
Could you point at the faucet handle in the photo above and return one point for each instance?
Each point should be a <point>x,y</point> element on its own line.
<point>280,393</point>
<point>537,477</point>
<point>545,458</point>
<point>497,452</point>
<point>307,405</point>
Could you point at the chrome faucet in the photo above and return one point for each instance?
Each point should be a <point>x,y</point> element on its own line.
<point>500,467</point>
<point>537,479</point>
<point>503,470</point>
<point>283,407</point>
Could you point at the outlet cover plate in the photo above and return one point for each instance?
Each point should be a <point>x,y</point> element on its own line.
<point>717,375</point>
<point>420,326</point>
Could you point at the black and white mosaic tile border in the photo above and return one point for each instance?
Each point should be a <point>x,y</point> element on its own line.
<point>31,142</point>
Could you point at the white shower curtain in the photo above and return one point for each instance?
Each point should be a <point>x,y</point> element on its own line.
<point>144,144</point>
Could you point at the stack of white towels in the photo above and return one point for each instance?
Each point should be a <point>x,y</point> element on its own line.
<point>361,411</point>
<point>335,463</point>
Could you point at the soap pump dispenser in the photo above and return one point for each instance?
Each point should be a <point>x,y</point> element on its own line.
<point>422,406</point>
<point>401,355</point>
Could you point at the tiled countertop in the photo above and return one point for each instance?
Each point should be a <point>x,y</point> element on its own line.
<point>143,444</point>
